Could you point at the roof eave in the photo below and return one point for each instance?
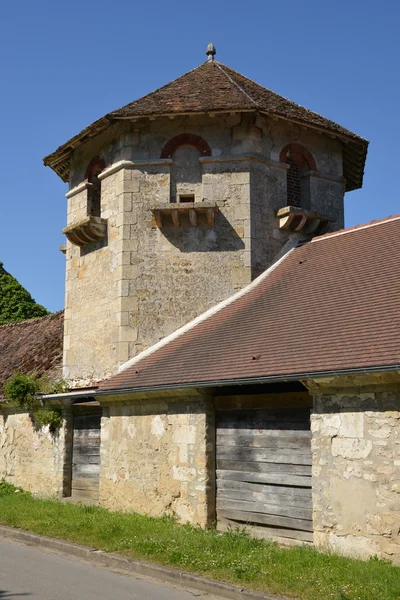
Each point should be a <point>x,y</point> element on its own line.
<point>229,382</point>
<point>59,161</point>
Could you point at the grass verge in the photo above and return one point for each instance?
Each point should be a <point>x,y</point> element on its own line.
<point>234,557</point>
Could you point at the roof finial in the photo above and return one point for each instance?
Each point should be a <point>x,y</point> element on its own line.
<point>211,52</point>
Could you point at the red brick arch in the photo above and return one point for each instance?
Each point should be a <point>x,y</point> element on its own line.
<point>97,163</point>
<point>185,139</point>
<point>294,148</point>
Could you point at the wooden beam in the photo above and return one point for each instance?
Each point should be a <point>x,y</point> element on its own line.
<point>158,218</point>
<point>265,519</point>
<point>175,217</point>
<point>193,217</point>
<point>210,217</point>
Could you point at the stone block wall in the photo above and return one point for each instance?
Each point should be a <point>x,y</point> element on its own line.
<point>356,473</point>
<point>30,458</point>
<point>157,457</point>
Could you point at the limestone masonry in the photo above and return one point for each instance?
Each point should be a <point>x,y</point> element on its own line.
<point>140,283</point>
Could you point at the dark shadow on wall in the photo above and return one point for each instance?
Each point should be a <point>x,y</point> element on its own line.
<point>97,245</point>
<point>8,594</point>
<point>350,402</point>
<point>221,238</point>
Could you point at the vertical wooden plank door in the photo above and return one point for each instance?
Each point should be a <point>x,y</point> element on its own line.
<point>264,472</point>
<point>86,457</point>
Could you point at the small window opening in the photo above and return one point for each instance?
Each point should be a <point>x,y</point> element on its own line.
<point>293,183</point>
<point>186,197</point>
<point>300,161</point>
<point>93,171</point>
<point>95,195</point>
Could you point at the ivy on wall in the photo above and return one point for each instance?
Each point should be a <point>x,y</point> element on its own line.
<point>22,391</point>
<point>16,303</point>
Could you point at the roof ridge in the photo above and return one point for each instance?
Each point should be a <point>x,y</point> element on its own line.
<point>356,228</point>
<point>33,320</point>
<point>221,68</point>
<point>202,317</point>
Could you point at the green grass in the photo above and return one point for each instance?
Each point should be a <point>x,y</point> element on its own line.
<point>234,557</point>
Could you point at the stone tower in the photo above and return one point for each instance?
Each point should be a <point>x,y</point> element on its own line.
<point>183,197</point>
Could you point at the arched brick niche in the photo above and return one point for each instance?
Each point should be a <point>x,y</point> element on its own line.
<point>94,168</point>
<point>300,160</point>
<point>186,139</point>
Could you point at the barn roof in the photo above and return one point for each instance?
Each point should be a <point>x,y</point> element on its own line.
<point>330,305</point>
<point>35,345</point>
<point>214,87</point>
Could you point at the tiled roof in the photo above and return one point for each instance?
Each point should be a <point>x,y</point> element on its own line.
<point>31,346</point>
<point>329,305</point>
<point>214,87</point>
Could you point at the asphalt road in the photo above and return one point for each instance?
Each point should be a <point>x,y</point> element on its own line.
<point>31,572</point>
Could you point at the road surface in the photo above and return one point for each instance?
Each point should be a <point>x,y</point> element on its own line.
<point>27,571</point>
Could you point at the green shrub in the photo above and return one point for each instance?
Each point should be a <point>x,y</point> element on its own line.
<point>48,416</point>
<point>52,386</point>
<point>20,390</point>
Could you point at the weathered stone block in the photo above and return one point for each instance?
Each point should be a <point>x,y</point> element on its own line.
<point>351,448</point>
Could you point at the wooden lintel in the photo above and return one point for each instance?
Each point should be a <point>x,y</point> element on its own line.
<point>193,217</point>
<point>210,217</point>
<point>175,217</point>
<point>158,218</point>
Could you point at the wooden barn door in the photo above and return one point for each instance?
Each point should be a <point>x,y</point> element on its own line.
<point>264,472</point>
<point>86,454</point>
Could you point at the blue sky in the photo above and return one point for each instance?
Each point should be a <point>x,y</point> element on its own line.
<point>63,65</point>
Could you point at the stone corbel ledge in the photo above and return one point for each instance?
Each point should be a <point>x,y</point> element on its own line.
<point>192,209</point>
<point>86,230</point>
<point>244,158</point>
<point>295,218</point>
<point>137,164</point>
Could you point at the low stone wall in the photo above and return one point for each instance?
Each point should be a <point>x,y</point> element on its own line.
<point>356,473</point>
<point>29,458</point>
<point>157,457</point>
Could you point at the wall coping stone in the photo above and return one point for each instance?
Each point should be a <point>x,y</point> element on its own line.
<point>130,164</point>
<point>85,185</point>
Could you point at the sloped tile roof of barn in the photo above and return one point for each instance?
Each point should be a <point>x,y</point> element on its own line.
<point>213,87</point>
<point>330,305</point>
<point>32,346</point>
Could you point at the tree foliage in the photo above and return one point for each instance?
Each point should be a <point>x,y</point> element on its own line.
<point>16,303</point>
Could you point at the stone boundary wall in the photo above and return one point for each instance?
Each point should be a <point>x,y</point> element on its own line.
<point>157,457</point>
<point>32,459</point>
<point>356,473</point>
